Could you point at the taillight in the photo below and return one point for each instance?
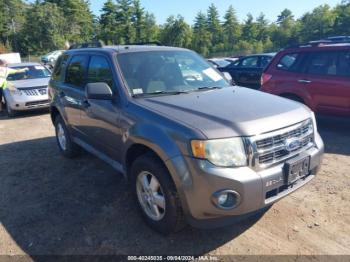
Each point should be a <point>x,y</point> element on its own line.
<point>265,78</point>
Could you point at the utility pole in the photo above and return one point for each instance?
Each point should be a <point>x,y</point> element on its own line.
<point>13,25</point>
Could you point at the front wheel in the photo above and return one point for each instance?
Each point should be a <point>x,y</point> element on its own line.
<point>156,195</point>
<point>10,112</point>
<point>67,147</point>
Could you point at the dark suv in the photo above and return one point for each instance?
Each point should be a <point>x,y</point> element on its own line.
<point>247,70</point>
<point>317,74</point>
<point>193,147</point>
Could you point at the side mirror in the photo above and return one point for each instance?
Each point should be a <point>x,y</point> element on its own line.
<point>99,90</point>
<point>228,77</point>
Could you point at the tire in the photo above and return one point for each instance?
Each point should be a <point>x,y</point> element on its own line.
<point>10,112</point>
<point>171,217</point>
<point>64,142</point>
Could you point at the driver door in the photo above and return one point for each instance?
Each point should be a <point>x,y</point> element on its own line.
<point>100,118</point>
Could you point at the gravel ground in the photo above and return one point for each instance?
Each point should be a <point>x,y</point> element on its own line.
<point>53,205</point>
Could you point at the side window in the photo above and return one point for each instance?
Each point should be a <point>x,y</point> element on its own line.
<point>99,71</point>
<point>250,62</point>
<point>288,62</point>
<point>76,70</point>
<point>343,68</point>
<point>60,64</point>
<point>264,61</point>
<point>322,63</point>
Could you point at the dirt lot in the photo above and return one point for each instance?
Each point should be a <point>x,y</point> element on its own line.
<point>52,205</point>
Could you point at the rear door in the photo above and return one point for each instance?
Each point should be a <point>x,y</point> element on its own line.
<point>71,92</point>
<point>246,72</point>
<point>326,78</point>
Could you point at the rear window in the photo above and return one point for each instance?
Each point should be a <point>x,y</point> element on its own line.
<point>288,62</point>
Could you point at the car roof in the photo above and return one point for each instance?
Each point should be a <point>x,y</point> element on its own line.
<point>320,46</point>
<point>126,49</point>
<point>262,54</point>
<point>24,64</point>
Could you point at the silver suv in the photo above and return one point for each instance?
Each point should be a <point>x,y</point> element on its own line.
<point>193,147</point>
<point>27,90</point>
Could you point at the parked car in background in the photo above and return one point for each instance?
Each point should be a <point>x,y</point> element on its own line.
<point>194,149</point>
<point>247,70</point>
<point>219,62</point>
<point>317,75</point>
<point>51,57</point>
<point>27,90</point>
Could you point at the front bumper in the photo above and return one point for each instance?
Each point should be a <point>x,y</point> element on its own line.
<point>24,102</point>
<point>197,180</point>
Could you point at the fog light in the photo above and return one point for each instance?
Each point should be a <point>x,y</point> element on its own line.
<point>226,199</point>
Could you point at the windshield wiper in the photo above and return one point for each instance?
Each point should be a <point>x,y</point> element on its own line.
<point>208,88</point>
<point>161,93</point>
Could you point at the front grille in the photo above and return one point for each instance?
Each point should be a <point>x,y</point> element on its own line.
<point>35,91</point>
<point>272,148</point>
<point>37,103</point>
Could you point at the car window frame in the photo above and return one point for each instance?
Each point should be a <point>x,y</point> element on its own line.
<point>339,55</point>
<point>62,65</point>
<point>110,64</point>
<point>307,58</point>
<point>300,63</point>
<point>85,73</point>
<point>248,57</point>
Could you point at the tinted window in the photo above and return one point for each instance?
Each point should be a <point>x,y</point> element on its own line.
<point>322,63</point>
<point>288,62</point>
<point>250,62</point>
<point>76,71</point>
<point>56,75</point>
<point>343,68</point>
<point>99,71</point>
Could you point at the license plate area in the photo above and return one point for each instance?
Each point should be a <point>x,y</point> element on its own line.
<point>296,169</point>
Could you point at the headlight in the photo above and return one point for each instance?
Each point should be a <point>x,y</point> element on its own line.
<point>15,91</point>
<point>221,152</point>
<point>314,122</point>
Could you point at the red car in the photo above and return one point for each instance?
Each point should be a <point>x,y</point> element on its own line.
<point>317,75</point>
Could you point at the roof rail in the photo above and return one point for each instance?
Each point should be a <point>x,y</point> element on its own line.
<point>157,43</point>
<point>319,43</point>
<point>95,44</point>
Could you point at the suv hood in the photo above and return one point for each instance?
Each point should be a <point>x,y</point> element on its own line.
<point>29,83</point>
<point>229,112</point>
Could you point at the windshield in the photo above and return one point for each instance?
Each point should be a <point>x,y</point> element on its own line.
<point>222,63</point>
<point>33,72</point>
<point>168,72</point>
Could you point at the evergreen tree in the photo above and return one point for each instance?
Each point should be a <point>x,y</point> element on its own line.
<point>215,28</point>
<point>126,31</point>
<point>108,22</point>
<point>232,28</point>
<point>151,29</point>
<point>139,21</point>
<point>201,41</point>
<point>176,32</point>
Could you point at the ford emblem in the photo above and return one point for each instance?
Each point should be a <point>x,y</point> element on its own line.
<point>292,144</point>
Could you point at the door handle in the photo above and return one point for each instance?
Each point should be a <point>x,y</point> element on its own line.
<point>61,94</point>
<point>86,104</point>
<point>304,81</point>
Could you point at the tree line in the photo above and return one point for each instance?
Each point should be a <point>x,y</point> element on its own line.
<point>46,25</point>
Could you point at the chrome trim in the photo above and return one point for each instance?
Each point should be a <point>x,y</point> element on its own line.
<point>254,153</point>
